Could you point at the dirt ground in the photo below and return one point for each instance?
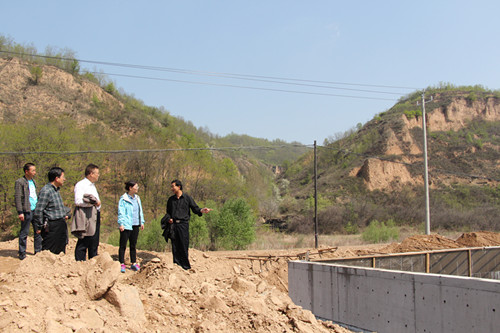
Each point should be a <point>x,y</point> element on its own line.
<point>236,291</point>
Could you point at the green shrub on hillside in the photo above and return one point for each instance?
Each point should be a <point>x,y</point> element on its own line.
<point>235,225</point>
<point>378,232</point>
<point>198,233</point>
<point>151,238</point>
<point>351,228</point>
<point>472,97</point>
<point>323,202</point>
<point>37,73</point>
<point>413,113</point>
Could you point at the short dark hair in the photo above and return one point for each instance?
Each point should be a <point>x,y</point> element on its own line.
<point>27,166</point>
<point>177,183</point>
<point>129,184</point>
<point>90,168</point>
<point>54,173</point>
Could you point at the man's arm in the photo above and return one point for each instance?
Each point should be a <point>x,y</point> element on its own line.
<point>169,216</point>
<point>43,200</point>
<point>79,192</point>
<point>194,207</point>
<point>18,196</point>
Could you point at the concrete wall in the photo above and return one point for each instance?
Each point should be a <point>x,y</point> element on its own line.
<point>390,301</point>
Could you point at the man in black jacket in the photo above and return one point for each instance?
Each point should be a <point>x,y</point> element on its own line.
<point>179,207</point>
<point>25,197</point>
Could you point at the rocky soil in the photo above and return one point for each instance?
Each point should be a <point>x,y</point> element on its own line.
<point>224,292</point>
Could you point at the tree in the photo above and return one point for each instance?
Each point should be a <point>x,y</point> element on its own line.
<point>37,73</point>
<point>235,226</point>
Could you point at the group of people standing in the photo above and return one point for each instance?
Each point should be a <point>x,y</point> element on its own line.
<point>47,214</point>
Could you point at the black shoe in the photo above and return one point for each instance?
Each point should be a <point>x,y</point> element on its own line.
<point>22,256</point>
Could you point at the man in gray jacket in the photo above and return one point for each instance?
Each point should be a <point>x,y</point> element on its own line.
<point>26,198</point>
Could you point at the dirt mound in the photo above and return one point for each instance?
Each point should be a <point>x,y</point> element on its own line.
<point>236,291</point>
<point>53,293</point>
<point>479,239</point>
<point>422,243</point>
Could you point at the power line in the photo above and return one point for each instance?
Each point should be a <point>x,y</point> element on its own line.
<point>320,86</point>
<point>261,78</point>
<point>239,148</point>
<point>245,87</point>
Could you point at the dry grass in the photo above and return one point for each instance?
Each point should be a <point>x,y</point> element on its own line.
<point>274,240</point>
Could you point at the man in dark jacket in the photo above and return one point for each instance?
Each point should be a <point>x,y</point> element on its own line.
<point>179,207</point>
<point>50,214</point>
<point>25,197</point>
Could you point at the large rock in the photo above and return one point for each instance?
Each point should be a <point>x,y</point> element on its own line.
<point>215,304</point>
<point>101,276</point>
<point>127,300</point>
<point>243,286</point>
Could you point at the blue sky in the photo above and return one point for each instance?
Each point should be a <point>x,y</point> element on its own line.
<point>363,45</point>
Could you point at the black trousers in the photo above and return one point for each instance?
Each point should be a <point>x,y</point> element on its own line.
<point>130,236</point>
<point>23,235</point>
<point>180,245</point>
<point>56,238</point>
<point>90,243</point>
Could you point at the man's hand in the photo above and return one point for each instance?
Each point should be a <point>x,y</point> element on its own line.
<point>98,203</point>
<point>205,210</point>
<point>171,221</point>
<point>121,228</point>
<point>39,231</point>
<point>142,226</point>
<point>21,217</point>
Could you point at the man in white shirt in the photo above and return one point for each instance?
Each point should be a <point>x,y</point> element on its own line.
<point>88,243</point>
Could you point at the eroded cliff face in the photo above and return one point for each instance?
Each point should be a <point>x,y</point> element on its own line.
<point>385,175</point>
<point>380,175</point>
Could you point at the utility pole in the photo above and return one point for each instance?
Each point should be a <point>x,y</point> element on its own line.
<point>426,170</point>
<point>315,197</point>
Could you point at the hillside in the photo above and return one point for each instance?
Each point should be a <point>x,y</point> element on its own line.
<point>375,172</point>
<point>50,108</point>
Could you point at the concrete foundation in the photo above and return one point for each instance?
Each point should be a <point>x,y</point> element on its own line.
<point>392,301</point>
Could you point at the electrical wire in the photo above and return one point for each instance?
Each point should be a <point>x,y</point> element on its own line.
<point>239,148</point>
<point>246,87</point>
<point>260,78</point>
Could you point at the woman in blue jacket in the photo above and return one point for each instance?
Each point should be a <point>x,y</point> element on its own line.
<point>130,220</point>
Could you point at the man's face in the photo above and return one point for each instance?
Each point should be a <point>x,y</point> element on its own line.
<point>31,172</point>
<point>174,188</point>
<point>59,181</point>
<point>94,176</point>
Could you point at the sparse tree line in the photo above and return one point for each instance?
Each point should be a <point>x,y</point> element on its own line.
<point>207,177</point>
